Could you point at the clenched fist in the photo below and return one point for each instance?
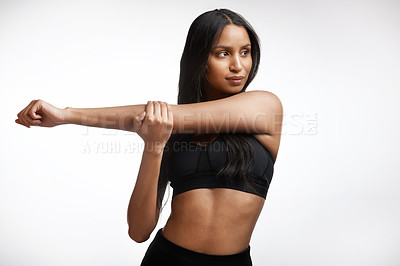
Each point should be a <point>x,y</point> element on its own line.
<point>40,113</point>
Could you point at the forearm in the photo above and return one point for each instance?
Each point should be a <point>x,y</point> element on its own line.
<point>142,214</point>
<point>119,117</point>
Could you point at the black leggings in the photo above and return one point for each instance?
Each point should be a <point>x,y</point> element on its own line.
<point>163,252</point>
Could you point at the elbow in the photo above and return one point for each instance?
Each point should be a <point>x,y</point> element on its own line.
<point>137,236</point>
<point>140,228</point>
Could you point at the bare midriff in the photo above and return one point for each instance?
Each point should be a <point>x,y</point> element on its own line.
<point>213,221</point>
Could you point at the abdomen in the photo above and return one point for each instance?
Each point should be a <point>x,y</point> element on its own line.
<point>214,221</point>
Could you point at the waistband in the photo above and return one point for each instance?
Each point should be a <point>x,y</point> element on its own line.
<point>173,248</point>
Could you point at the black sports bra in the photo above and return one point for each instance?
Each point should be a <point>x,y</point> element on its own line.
<point>192,166</point>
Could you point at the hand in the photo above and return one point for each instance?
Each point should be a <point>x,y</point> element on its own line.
<point>157,126</point>
<point>40,113</point>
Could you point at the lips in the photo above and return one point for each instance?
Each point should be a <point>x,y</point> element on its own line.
<point>235,80</point>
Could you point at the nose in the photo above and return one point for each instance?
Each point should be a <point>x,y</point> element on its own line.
<point>235,64</point>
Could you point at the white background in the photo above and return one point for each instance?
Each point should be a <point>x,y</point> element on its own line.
<point>334,198</point>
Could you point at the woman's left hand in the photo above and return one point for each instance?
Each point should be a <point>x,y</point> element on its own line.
<point>157,126</point>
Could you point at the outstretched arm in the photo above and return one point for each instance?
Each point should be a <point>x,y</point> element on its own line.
<point>248,112</point>
<point>121,117</point>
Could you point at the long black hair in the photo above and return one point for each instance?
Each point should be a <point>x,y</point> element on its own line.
<point>203,33</point>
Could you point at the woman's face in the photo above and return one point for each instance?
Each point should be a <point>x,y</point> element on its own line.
<point>229,63</point>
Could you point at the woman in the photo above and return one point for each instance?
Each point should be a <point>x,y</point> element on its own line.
<point>217,147</point>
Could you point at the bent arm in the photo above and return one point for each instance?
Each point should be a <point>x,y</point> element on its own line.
<point>142,219</point>
<point>143,211</point>
<point>247,112</point>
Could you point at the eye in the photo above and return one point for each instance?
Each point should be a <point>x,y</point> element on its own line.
<point>245,52</point>
<point>222,54</point>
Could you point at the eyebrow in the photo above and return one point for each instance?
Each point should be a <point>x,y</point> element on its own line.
<point>227,47</point>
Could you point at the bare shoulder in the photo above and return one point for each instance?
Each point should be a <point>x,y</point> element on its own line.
<point>269,104</point>
<point>252,111</point>
<point>269,98</point>
<point>274,109</point>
